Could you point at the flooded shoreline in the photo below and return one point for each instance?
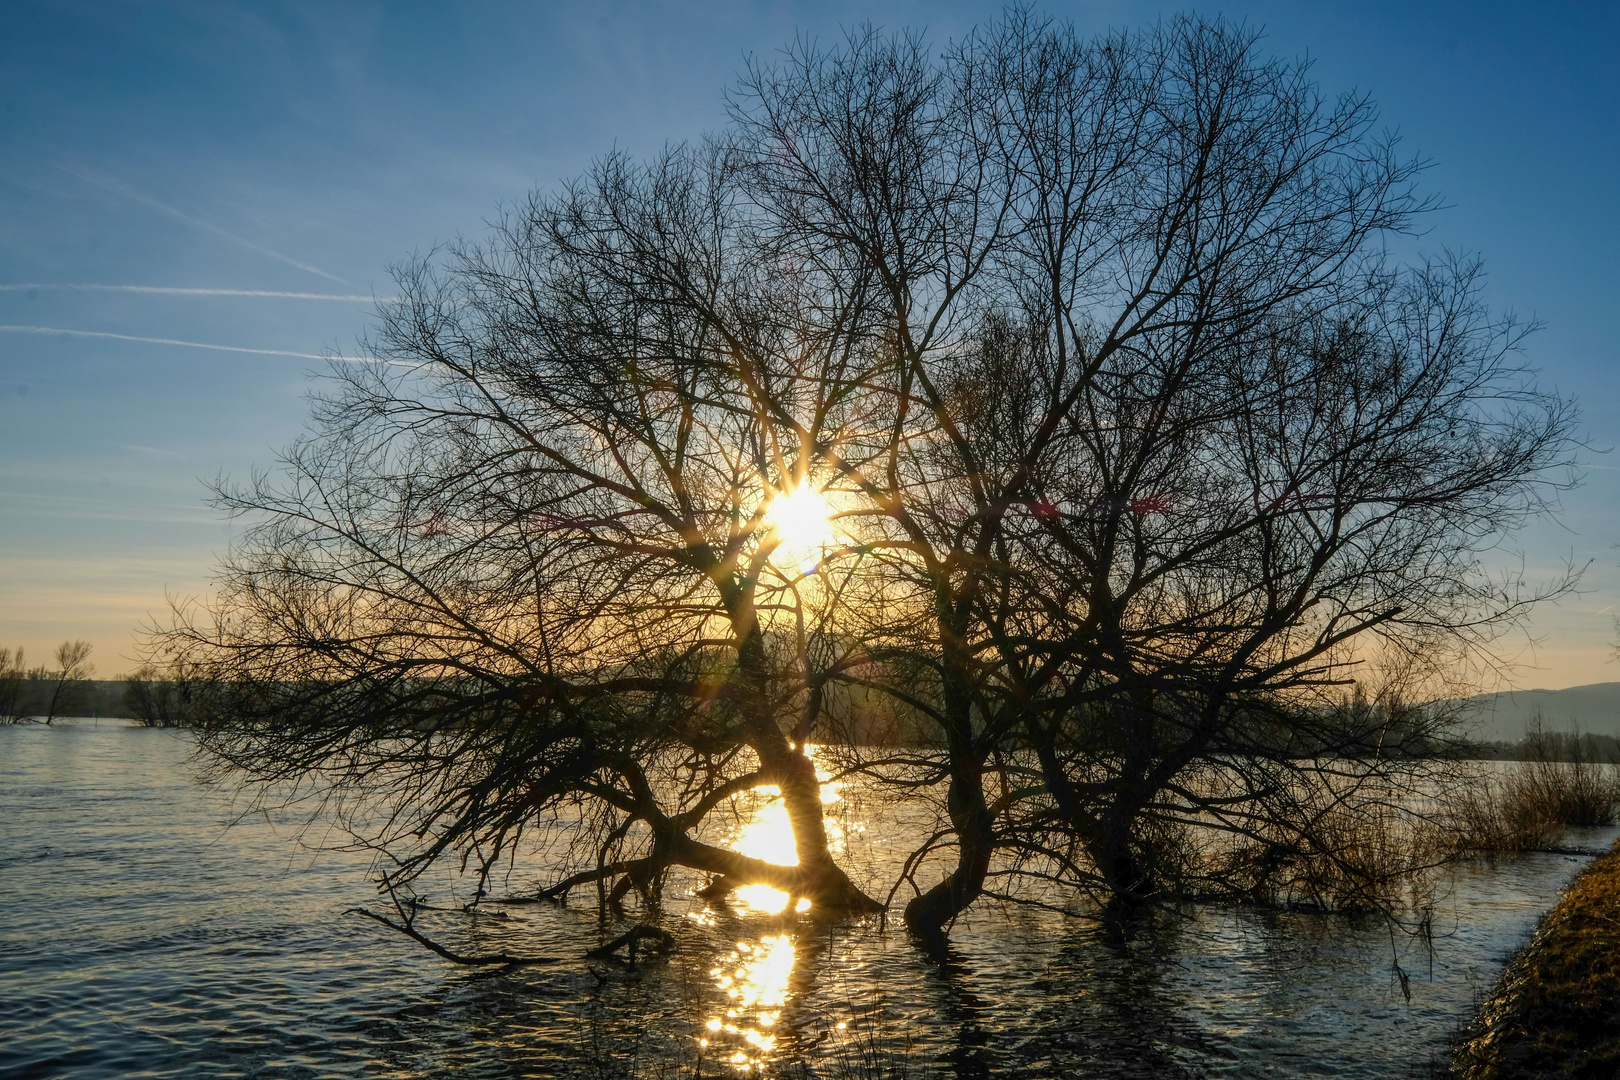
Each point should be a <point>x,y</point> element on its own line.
<point>1554,1009</point>
<point>154,928</point>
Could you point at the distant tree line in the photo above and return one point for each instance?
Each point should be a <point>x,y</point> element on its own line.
<point>170,698</point>
<point>152,696</point>
<point>1547,745</point>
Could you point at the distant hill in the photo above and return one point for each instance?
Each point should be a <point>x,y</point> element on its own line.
<point>1595,708</point>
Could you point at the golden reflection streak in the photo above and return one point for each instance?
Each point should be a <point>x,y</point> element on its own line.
<point>755,977</point>
<point>757,989</point>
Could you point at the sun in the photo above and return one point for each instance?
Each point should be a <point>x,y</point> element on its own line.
<point>802,522</point>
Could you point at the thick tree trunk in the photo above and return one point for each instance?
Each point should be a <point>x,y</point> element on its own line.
<point>1108,834</point>
<point>820,878</point>
<point>1110,829</point>
<point>824,881</point>
<point>928,914</point>
<point>1118,854</point>
<point>817,877</point>
<point>825,885</point>
<point>1121,871</point>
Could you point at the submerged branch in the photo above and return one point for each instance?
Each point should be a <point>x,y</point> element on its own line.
<point>493,960</point>
<point>663,942</point>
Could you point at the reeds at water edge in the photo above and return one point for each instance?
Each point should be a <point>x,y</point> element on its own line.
<point>1560,781</point>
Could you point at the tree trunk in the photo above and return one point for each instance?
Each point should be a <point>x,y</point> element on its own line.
<point>1119,859</point>
<point>927,915</point>
<point>821,879</point>
<point>824,884</point>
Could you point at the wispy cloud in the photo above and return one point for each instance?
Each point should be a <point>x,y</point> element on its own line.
<point>118,187</point>
<point>164,290</point>
<point>152,450</point>
<point>158,341</point>
<point>35,504</point>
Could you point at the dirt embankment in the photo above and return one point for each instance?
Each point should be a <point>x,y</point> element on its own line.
<point>1556,1010</point>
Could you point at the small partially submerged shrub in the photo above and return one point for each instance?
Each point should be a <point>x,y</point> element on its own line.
<point>1366,856</point>
<point>1493,816</point>
<point>1566,775</point>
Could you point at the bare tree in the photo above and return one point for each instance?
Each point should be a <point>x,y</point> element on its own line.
<point>163,696</point>
<point>1236,533</point>
<point>532,568</point>
<point>1131,440</point>
<point>1156,398</point>
<point>13,672</point>
<point>73,668</point>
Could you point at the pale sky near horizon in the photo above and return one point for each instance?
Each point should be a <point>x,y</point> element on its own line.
<point>241,176</point>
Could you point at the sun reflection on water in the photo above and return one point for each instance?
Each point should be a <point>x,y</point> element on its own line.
<point>768,836</point>
<point>755,980</point>
<point>755,976</point>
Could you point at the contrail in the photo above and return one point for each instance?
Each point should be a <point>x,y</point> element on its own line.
<point>164,290</point>
<point>205,345</point>
<point>159,341</point>
<point>120,188</point>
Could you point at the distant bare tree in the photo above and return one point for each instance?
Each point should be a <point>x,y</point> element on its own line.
<point>73,669</point>
<point>13,674</point>
<point>162,696</point>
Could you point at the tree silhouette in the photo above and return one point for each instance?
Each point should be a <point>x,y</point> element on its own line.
<point>73,667</point>
<point>1134,442</point>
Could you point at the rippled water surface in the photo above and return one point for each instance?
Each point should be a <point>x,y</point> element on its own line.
<point>150,927</point>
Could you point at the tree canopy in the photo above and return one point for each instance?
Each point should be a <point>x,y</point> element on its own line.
<point>1059,394</point>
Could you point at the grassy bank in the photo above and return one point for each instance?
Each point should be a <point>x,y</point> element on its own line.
<point>1556,1009</point>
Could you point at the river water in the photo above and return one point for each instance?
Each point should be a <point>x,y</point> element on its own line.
<point>154,927</point>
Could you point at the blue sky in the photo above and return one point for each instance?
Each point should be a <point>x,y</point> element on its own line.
<point>303,148</point>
